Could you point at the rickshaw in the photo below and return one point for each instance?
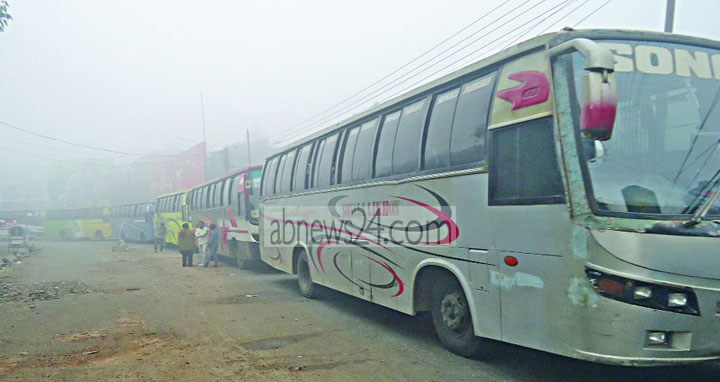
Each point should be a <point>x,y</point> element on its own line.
<point>17,240</point>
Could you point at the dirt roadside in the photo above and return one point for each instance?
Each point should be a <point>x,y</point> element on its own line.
<point>140,316</point>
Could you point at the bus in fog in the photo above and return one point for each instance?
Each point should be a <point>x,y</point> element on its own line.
<point>561,195</point>
<point>132,222</point>
<point>231,202</point>
<point>172,210</point>
<point>78,223</point>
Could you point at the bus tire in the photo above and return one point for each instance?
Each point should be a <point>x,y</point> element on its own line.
<point>451,318</point>
<point>99,235</point>
<point>64,235</point>
<point>305,284</point>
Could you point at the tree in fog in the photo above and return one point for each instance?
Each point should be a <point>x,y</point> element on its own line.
<point>4,15</point>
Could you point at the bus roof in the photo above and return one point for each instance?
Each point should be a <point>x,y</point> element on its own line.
<point>229,175</point>
<point>171,194</point>
<point>548,40</point>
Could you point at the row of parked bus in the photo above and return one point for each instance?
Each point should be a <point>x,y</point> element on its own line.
<point>231,202</point>
<point>505,199</point>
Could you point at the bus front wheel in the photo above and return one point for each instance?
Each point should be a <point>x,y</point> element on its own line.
<point>451,318</point>
<point>305,283</point>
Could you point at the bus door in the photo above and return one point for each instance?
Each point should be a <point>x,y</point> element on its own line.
<point>250,199</point>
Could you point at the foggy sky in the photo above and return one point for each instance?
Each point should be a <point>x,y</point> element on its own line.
<point>128,75</point>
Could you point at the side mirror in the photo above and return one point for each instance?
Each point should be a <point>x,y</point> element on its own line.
<point>599,105</point>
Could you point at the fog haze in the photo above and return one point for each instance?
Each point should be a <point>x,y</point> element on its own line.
<point>128,75</point>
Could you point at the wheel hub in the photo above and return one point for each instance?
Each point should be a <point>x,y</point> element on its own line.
<point>452,309</point>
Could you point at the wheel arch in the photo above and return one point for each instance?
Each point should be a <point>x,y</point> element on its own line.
<point>422,282</point>
<point>297,251</point>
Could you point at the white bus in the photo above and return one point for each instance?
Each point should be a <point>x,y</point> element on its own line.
<point>231,202</point>
<point>559,195</point>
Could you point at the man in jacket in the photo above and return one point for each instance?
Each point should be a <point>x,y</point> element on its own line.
<point>213,244</point>
<point>186,245</point>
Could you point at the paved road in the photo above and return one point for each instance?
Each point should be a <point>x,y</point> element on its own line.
<point>138,315</point>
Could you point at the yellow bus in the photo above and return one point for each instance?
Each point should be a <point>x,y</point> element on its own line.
<point>172,210</point>
<point>78,223</point>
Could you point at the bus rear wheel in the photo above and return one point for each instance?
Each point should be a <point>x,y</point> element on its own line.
<point>305,283</point>
<point>452,320</point>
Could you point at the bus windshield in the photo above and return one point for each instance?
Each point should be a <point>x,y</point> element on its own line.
<point>663,156</point>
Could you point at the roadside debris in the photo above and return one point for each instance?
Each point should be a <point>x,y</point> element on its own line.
<point>19,292</point>
<point>296,368</point>
<point>250,295</point>
<point>120,246</point>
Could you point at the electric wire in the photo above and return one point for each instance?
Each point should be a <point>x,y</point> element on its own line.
<point>379,91</point>
<point>456,61</point>
<point>592,13</point>
<point>91,147</point>
<point>396,70</point>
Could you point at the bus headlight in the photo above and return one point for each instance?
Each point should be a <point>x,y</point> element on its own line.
<point>649,295</point>
<point>677,299</point>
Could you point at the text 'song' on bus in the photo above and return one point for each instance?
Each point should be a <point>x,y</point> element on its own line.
<point>172,210</point>
<point>231,202</point>
<point>133,222</point>
<point>78,223</point>
<point>557,195</point>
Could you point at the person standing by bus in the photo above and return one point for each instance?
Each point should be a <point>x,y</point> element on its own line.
<point>186,245</point>
<point>160,234</point>
<point>213,243</point>
<point>202,239</point>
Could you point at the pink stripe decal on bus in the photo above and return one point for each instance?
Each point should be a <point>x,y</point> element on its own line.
<point>401,286</point>
<point>453,229</point>
<point>233,222</point>
<point>319,249</point>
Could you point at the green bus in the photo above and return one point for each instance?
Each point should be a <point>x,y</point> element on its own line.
<point>78,223</point>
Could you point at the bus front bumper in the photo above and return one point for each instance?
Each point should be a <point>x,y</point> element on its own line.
<point>642,361</point>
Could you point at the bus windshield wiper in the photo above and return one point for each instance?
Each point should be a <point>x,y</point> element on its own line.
<point>705,207</point>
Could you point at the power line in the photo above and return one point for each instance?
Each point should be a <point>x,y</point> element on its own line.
<point>592,13</point>
<point>396,70</point>
<point>564,5</point>
<point>378,91</point>
<point>50,159</point>
<point>363,101</point>
<point>89,147</point>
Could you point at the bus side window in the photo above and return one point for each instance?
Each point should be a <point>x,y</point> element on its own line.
<point>288,172</point>
<point>280,172</point>
<point>386,141</point>
<point>363,151</point>
<point>467,142</point>
<point>524,165</point>
<point>301,168</point>
<point>319,147</point>
<point>346,155</point>
<point>326,166</point>
<point>406,153</point>
<point>437,141</point>
<point>268,185</point>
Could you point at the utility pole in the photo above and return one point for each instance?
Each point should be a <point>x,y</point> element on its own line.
<point>248,147</point>
<point>669,16</point>
<point>202,111</point>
